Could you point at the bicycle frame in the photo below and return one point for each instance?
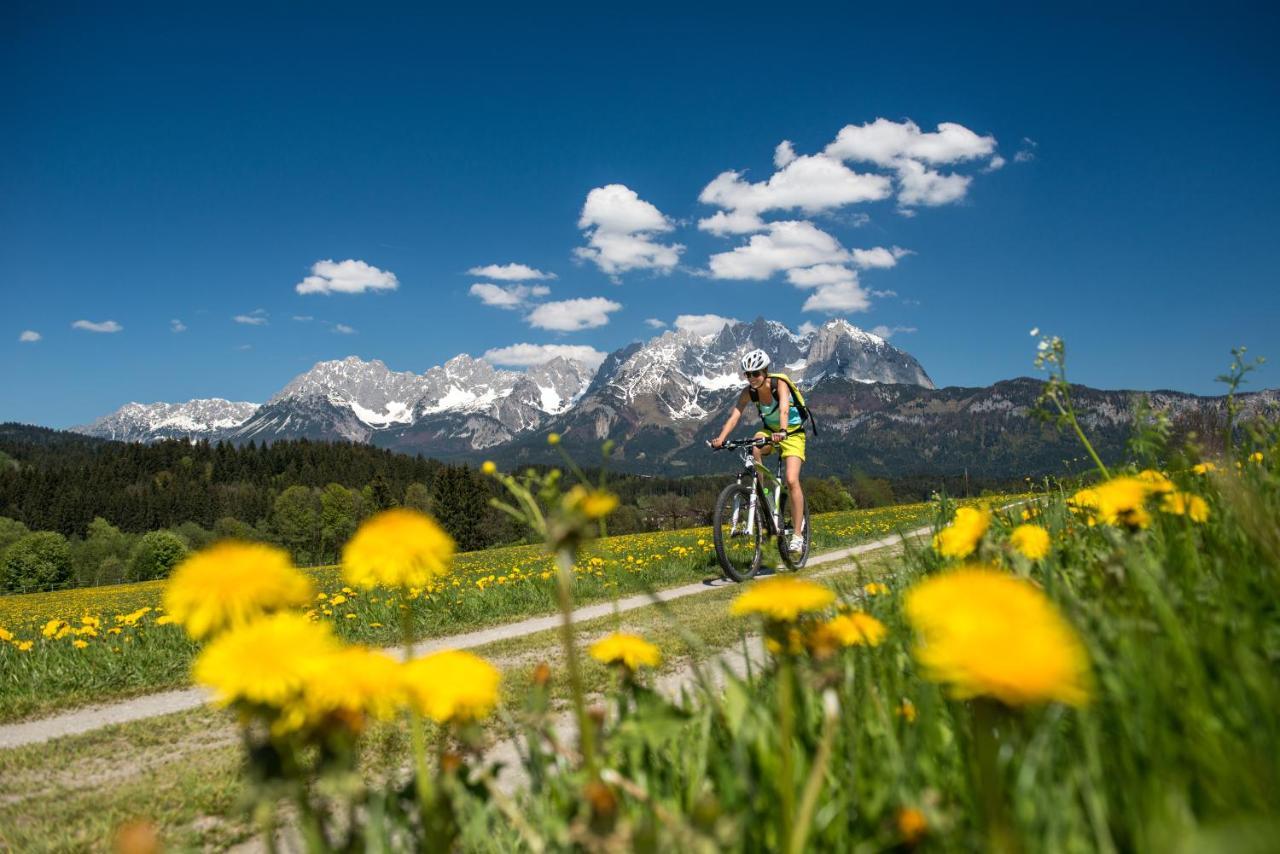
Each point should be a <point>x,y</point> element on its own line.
<point>756,473</point>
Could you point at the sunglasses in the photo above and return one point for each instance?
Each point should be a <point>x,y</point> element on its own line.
<point>755,373</point>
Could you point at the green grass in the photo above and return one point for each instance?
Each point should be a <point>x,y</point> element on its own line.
<point>487,588</point>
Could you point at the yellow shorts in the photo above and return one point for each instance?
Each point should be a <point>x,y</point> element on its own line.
<point>792,446</point>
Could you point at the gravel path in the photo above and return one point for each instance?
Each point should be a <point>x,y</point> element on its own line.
<point>95,717</point>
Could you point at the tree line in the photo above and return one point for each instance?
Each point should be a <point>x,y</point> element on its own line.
<point>75,510</point>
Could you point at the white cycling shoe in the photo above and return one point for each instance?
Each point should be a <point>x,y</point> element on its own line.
<point>796,544</point>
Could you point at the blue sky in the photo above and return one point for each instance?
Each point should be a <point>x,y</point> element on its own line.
<point>194,165</point>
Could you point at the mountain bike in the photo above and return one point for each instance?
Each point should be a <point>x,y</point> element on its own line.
<point>755,505</point>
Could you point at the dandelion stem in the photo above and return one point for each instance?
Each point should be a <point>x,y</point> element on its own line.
<point>1000,838</point>
<point>786,737</point>
<point>586,734</point>
<point>813,786</point>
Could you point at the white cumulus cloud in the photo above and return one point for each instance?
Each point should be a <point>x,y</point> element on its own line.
<point>920,185</point>
<point>525,355</point>
<point>29,336</point>
<point>887,332</point>
<point>783,154</point>
<point>786,245</point>
<point>572,315</point>
<point>343,329</point>
<point>810,183</point>
<point>655,323</point>
<point>346,277</point>
<point>620,228</point>
<point>97,326</point>
<point>509,297</point>
<point>807,328</point>
<point>177,325</point>
<point>878,257</point>
<point>510,273</point>
<point>257,317</point>
<point>703,324</point>
<point>839,298</point>
<point>821,274</point>
<point>885,142</point>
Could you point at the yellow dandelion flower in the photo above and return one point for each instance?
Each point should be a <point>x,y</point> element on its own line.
<point>231,583</point>
<point>350,683</point>
<point>875,588</point>
<point>452,686</point>
<point>960,538</point>
<point>338,600</point>
<point>489,467</point>
<point>1203,468</point>
<point>1120,501</point>
<point>855,628</point>
<point>1185,504</point>
<point>1256,457</point>
<point>5,634</point>
<point>397,548</point>
<point>782,598</point>
<point>553,438</point>
<point>907,711</point>
<point>25,646</point>
<point>79,644</point>
<point>166,619</point>
<point>592,503</point>
<point>1031,541</point>
<point>987,633</point>
<point>631,651</point>
<point>264,662</point>
<point>1156,481</point>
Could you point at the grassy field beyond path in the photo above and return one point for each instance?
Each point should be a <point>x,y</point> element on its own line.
<point>99,644</point>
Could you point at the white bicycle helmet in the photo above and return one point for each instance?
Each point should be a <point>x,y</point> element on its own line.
<point>756,360</point>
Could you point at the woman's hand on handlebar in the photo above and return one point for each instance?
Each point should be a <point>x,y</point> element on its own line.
<point>717,443</point>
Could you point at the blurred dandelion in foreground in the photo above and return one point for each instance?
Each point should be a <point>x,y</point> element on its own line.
<point>1193,507</point>
<point>630,651</point>
<point>453,686</point>
<point>960,539</point>
<point>229,584</point>
<point>265,662</point>
<point>397,548</point>
<point>1030,541</point>
<point>986,633</point>
<point>855,628</point>
<point>782,598</point>
<point>1120,502</point>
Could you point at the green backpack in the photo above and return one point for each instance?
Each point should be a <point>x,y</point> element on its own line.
<point>796,398</point>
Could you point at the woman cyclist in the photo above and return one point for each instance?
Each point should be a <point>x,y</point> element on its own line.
<point>771,400</point>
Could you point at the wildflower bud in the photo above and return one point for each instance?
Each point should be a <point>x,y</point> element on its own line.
<point>489,467</point>
<point>450,762</point>
<point>911,824</point>
<point>137,837</point>
<point>553,439</point>
<point>542,674</point>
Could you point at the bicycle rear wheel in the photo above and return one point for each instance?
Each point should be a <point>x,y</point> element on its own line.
<point>793,560</point>
<point>737,542</point>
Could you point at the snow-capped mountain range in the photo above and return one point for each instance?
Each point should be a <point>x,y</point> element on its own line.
<point>148,422</point>
<point>673,381</point>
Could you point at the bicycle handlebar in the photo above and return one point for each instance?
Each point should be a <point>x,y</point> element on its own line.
<point>734,444</point>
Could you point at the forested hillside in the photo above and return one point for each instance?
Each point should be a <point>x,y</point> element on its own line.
<point>89,511</point>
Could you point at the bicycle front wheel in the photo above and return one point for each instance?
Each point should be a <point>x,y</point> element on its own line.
<point>737,538</point>
<point>794,559</point>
